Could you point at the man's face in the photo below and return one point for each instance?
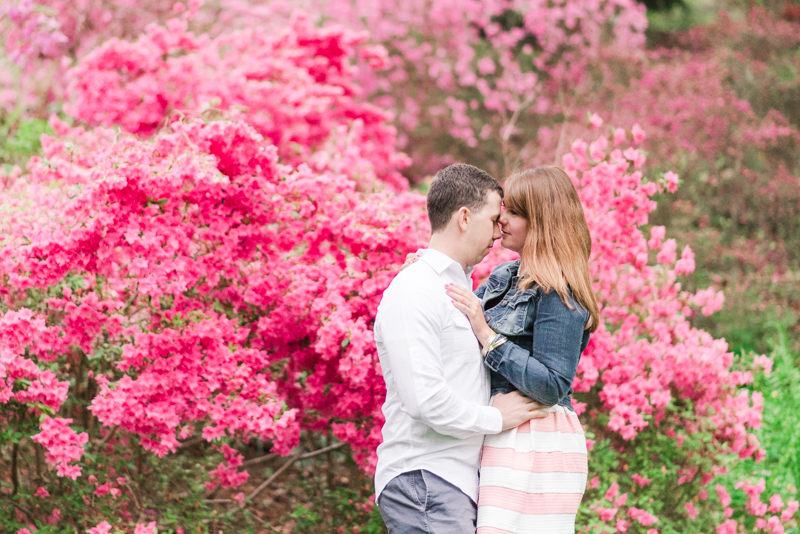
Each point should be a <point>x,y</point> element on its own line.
<point>483,228</point>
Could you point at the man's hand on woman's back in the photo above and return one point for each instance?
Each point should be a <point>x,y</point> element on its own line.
<point>517,409</point>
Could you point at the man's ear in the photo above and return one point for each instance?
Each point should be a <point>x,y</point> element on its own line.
<point>463,217</point>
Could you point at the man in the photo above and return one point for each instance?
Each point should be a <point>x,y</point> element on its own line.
<point>437,388</point>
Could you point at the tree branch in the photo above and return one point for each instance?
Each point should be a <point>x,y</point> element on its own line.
<point>107,436</point>
<point>20,508</point>
<point>291,461</point>
<point>14,468</point>
<point>191,441</point>
<point>260,459</point>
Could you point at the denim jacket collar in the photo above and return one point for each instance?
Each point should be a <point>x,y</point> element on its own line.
<point>508,269</point>
<point>503,274</point>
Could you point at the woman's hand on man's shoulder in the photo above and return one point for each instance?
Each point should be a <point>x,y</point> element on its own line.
<point>411,258</point>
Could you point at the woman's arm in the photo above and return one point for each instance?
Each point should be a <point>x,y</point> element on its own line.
<point>470,303</point>
<point>546,375</point>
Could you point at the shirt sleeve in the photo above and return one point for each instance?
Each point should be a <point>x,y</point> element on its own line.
<point>547,374</point>
<point>411,334</point>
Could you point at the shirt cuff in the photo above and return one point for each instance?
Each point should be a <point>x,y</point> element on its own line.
<point>494,421</point>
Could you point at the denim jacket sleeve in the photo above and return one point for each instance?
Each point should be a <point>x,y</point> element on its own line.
<point>559,337</point>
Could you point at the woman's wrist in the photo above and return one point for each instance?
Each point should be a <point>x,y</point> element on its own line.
<point>494,341</point>
<point>485,336</point>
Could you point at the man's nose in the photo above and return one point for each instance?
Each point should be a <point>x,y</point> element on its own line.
<point>497,234</point>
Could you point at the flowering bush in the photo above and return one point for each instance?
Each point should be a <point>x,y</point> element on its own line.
<point>296,88</point>
<point>463,74</point>
<point>161,234</point>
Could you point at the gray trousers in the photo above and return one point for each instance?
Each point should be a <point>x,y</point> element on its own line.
<point>419,502</point>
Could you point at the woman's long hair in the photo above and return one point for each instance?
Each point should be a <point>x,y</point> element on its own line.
<point>558,244</point>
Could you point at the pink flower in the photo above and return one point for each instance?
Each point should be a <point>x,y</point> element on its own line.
<point>62,445</point>
<point>55,517</point>
<point>790,510</point>
<point>775,503</point>
<point>612,492</point>
<point>595,120</point>
<point>606,514</point>
<point>763,363</point>
<point>41,492</point>
<point>643,517</point>
<point>686,264</point>
<point>724,496</point>
<point>728,527</point>
<point>619,136</point>
<point>486,66</point>
<point>638,134</point>
<point>141,528</point>
<point>103,528</point>
<point>657,234</point>
<point>672,181</point>
<point>597,150</point>
<point>667,253</point>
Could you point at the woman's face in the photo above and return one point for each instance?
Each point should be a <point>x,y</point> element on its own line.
<point>514,228</point>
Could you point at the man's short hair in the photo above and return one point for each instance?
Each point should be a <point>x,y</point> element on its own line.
<point>456,186</point>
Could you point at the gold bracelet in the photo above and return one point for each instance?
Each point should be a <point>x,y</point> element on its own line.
<point>490,339</point>
<point>489,342</point>
<point>496,341</point>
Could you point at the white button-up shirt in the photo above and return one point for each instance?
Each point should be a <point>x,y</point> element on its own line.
<point>437,388</point>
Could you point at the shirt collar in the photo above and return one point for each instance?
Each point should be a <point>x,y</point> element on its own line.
<point>441,261</point>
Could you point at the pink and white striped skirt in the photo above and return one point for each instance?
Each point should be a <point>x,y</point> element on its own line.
<point>533,476</point>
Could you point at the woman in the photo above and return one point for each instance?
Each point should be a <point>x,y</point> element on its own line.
<point>533,317</point>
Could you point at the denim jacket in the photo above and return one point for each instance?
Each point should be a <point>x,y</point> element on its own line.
<point>545,338</point>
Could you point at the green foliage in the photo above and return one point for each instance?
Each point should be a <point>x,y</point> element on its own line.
<point>20,138</point>
<point>142,488</point>
<point>334,508</point>
<point>666,16</point>
<point>780,434</point>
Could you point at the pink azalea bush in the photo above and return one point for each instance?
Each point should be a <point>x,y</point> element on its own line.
<point>296,88</point>
<point>157,265</point>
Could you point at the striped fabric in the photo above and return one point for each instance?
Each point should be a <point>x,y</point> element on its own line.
<point>533,477</point>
